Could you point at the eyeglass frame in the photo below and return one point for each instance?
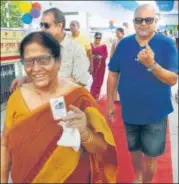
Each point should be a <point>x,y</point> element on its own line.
<point>98,38</point>
<point>48,25</point>
<point>42,24</point>
<point>36,59</point>
<point>144,19</point>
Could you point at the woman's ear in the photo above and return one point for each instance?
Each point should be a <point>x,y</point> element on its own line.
<point>58,62</point>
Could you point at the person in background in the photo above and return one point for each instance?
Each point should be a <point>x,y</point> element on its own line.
<point>29,146</point>
<point>82,40</point>
<point>74,64</point>
<point>128,31</point>
<point>100,53</point>
<point>145,76</point>
<point>119,36</point>
<point>171,35</point>
<point>166,33</point>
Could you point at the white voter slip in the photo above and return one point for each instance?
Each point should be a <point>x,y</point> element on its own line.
<point>58,108</point>
<point>70,136</point>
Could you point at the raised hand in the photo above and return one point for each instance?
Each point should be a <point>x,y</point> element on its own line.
<point>146,56</point>
<point>77,119</point>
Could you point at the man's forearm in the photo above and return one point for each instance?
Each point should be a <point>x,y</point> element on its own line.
<point>112,51</point>
<point>164,75</point>
<point>111,85</point>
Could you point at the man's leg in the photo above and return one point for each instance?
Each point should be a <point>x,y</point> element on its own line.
<point>133,139</point>
<point>137,161</point>
<point>153,139</point>
<point>149,168</point>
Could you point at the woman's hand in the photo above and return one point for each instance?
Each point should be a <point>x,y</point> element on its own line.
<point>77,119</point>
<point>97,57</point>
<point>94,144</point>
<point>100,57</point>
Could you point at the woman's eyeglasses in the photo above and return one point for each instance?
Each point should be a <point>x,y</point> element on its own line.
<point>41,60</point>
<point>45,25</point>
<point>98,38</point>
<point>148,20</point>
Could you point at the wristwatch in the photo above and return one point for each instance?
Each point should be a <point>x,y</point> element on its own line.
<point>152,67</point>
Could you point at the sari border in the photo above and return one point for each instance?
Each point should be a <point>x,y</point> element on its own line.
<point>45,156</point>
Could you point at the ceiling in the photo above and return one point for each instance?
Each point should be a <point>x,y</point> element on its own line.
<point>163,6</point>
<point>100,12</point>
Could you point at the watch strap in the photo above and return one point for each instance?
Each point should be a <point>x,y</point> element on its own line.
<point>152,67</point>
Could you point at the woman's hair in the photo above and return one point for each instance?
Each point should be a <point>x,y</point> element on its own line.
<point>120,29</point>
<point>98,35</point>
<point>45,39</point>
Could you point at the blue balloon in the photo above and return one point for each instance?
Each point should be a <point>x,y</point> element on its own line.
<point>27,18</point>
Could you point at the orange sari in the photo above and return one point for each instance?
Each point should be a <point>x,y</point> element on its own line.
<point>36,157</point>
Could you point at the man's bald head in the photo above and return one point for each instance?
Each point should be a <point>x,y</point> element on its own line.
<point>146,7</point>
<point>75,22</point>
<point>75,27</point>
<point>145,20</point>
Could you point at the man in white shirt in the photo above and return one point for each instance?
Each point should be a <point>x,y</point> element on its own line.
<point>83,40</point>
<point>74,62</point>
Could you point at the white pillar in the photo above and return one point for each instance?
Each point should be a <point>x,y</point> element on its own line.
<point>7,13</point>
<point>87,24</point>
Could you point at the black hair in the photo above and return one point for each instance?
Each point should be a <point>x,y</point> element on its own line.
<point>120,29</point>
<point>43,38</point>
<point>98,34</point>
<point>58,15</point>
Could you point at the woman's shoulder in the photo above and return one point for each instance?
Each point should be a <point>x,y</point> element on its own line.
<point>67,84</point>
<point>26,86</point>
<point>14,96</point>
<point>73,88</point>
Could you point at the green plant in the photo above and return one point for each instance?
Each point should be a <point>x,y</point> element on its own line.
<point>14,15</point>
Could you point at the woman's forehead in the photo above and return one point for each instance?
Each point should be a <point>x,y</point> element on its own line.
<point>34,48</point>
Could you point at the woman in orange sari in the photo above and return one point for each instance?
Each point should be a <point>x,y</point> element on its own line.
<point>29,149</point>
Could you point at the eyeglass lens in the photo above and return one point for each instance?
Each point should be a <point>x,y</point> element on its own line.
<point>148,20</point>
<point>41,60</point>
<point>45,25</point>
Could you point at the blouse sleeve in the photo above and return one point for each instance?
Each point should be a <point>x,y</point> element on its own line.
<point>10,111</point>
<point>15,109</point>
